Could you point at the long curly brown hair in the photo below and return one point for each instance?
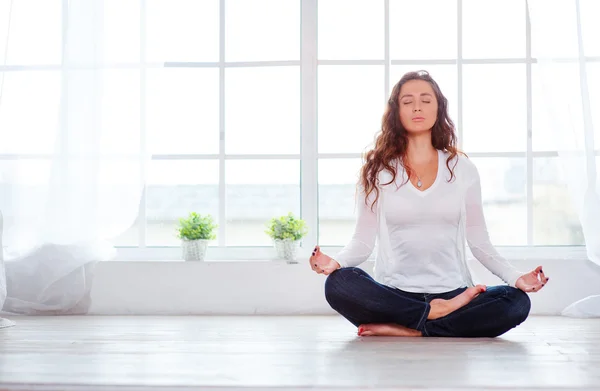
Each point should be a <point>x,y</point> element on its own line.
<point>391,141</point>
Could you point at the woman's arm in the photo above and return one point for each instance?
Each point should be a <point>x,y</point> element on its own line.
<point>362,243</point>
<point>478,238</point>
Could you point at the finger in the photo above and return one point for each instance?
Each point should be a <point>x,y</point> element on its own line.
<point>536,287</point>
<point>538,270</point>
<point>543,277</point>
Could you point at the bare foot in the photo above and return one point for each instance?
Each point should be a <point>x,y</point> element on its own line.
<point>387,330</point>
<point>441,307</point>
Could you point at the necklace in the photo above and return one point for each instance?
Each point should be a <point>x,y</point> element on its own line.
<point>419,183</point>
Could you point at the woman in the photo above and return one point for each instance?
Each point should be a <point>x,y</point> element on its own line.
<point>421,198</point>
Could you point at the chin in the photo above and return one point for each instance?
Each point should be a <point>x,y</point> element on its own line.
<point>418,131</point>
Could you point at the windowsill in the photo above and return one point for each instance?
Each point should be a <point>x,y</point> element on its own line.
<point>266,254</point>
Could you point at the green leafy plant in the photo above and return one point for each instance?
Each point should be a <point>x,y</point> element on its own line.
<point>196,227</point>
<point>286,227</point>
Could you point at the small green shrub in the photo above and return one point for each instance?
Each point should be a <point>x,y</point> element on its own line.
<point>286,227</point>
<point>196,227</point>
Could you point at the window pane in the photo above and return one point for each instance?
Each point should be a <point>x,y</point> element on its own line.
<point>176,188</point>
<point>262,109</point>
<point>351,104</point>
<point>593,74</point>
<point>554,29</point>
<point>410,39</point>
<point>554,216</point>
<point>444,75</point>
<point>27,92</point>
<point>495,108</point>
<point>544,130</point>
<point>262,30</point>
<point>183,110</point>
<point>590,9</point>
<point>129,238</point>
<point>548,124</point>
<point>35,32</point>
<point>494,29</point>
<point>351,29</point>
<point>116,176</point>
<point>121,31</point>
<point>558,121</point>
<point>121,111</point>
<point>337,200</point>
<point>258,190</point>
<point>182,30</point>
<point>27,180</point>
<point>26,172</point>
<point>503,189</point>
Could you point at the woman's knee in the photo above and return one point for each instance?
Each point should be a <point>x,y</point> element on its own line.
<point>520,304</point>
<point>338,282</point>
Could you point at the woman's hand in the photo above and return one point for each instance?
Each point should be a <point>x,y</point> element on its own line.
<point>532,281</point>
<point>322,263</point>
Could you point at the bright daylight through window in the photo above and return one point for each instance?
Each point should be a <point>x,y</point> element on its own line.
<point>249,87</point>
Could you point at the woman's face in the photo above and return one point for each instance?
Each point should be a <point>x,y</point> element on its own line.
<point>418,106</point>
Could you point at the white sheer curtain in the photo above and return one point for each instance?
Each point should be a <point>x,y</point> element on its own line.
<point>565,43</point>
<point>62,206</point>
<point>3,322</point>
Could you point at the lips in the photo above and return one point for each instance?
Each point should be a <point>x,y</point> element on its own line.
<point>418,119</point>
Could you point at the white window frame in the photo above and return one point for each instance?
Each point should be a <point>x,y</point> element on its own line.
<point>309,155</point>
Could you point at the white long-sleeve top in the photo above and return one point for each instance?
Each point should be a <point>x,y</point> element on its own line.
<point>422,234</point>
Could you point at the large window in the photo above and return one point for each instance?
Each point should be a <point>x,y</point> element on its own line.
<point>264,107</point>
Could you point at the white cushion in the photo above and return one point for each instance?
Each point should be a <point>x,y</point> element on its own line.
<point>584,308</point>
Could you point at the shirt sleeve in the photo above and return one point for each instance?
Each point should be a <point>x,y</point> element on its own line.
<point>362,244</point>
<point>478,238</point>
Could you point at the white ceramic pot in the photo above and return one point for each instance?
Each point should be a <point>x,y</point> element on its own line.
<point>194,250</point>
<point>287,249</point>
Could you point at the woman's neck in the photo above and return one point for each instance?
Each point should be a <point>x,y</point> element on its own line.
<point>420,150</point>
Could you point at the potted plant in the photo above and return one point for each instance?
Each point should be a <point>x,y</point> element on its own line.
<point>195,232</point>
<point>287,232</point>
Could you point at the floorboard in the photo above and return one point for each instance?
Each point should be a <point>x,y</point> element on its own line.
<point>288,353</point>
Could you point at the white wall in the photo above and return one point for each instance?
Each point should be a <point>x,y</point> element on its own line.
<point>270,287</point>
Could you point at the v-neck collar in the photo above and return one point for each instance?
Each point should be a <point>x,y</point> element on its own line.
<point>438,175</point>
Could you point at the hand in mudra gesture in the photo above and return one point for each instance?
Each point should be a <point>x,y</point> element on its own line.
<point>322,263</point>
<point>532,281</point>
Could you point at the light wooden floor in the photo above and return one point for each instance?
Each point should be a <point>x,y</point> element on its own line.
<point>225,353</point>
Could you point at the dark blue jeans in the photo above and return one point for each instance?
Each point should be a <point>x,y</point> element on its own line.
<point>362,300</point>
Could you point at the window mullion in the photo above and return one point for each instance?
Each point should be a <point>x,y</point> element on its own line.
<point>529,134</point>
<point>142,219</point>
<point>387,65</point>
<point>309,198</point>
<point>222,239</point>
<point>459,74</point>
